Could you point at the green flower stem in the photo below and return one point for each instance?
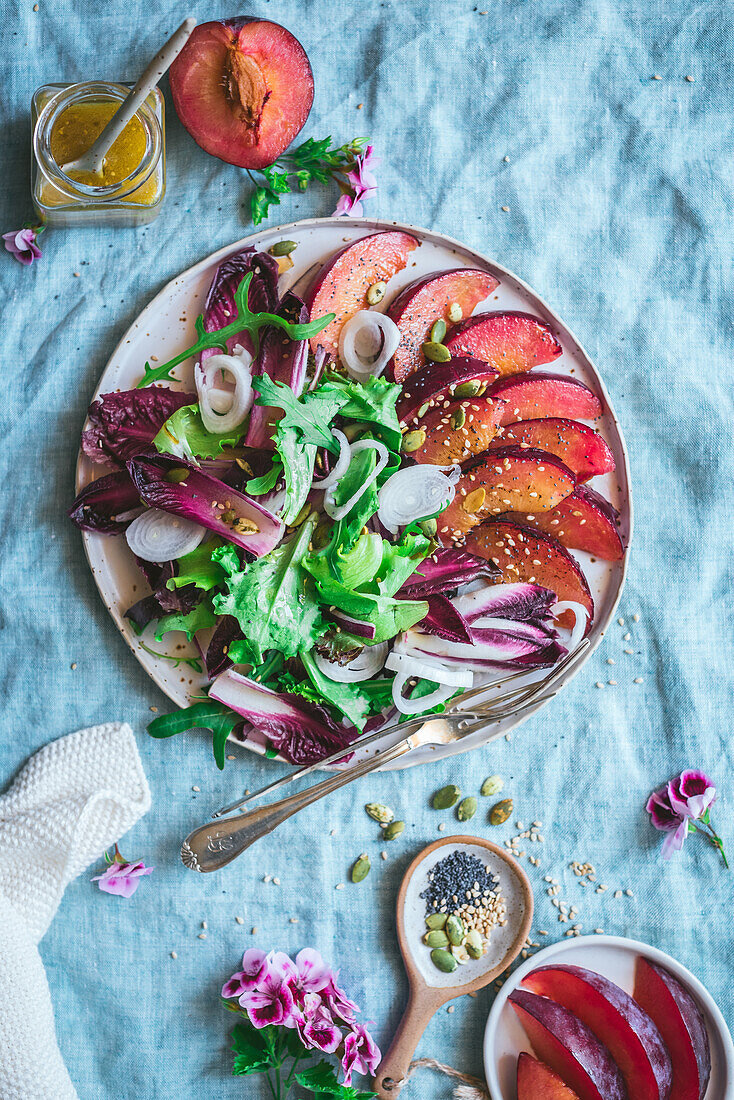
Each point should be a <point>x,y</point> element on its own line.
<point>712,838</point>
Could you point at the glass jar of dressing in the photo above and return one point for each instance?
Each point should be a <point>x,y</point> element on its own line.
<point>67,119</point>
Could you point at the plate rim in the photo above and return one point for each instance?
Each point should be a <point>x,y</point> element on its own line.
<point>656,954</point>
<point>443,239</point>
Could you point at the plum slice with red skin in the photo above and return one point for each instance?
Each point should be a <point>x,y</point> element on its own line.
<point>341,285</point>
<point>497,482</point>
<point>427,300</point>
<point>445,445</point>
<point>511,342</point>
<point>522,554</point>
<point>617,1021</point>
<point>680,1022</point>
<point>243,89</point>
<point>536,1081</point>
<point>438,380</point>
<point>584,520</point>
<point>537,395</point>
<point>569,1047</point>
<point>582,449</point>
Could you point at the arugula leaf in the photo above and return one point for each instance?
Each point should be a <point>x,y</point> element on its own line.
<point>198,568</point>
<point>252,1052</point>
<point>209,715</point>
<point>200,618</point>
<point>185,436</point>
<point>256,486</point>
<point>310,415</point>
<point>272,600</point>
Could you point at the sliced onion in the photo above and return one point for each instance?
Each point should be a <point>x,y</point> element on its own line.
<point>158,536</point>
<point>363,667</point>
<point>218,414</point>
<point>581,616</point>
<point>342,510</point>
<point>418,706</point>
<point>342,463</point>
<point>367,343</point>
<point>425,669</point>
<point>413,493</point>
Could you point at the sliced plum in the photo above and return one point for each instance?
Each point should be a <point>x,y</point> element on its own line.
<point>498,481</point>
<point>680,1022</point>
<point>536,1081</point>
<point>617,1021</point>
<point>341,285</point>
<point>584,520</point>
<point>569,1047</point>
<point>534,396</point>
<point>439,380</point>
<point>243,89</point>
<point>427,300</point>
<point>582,449</point>
<point>445,444</point>
<point>522,554</point>
<point>511,342</point>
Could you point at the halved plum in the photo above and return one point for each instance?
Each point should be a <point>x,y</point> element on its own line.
<point>680,1022</point>
<point>341,285</point>
<point>498,481</point>
<point>511,342</point>
<point>525,555</point>
<point>569,1047</point>
<point>425,301</point>
<point>534,396</point>
<point>617,1021</point>
<point>536,1081</point>
<point>582,449</point>
<point>584,520</point>
<point>439,380</point>
<point>243,89</point>
<point>445,445</point>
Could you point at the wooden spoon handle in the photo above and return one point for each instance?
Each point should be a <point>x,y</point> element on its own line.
<point>393,1068</point>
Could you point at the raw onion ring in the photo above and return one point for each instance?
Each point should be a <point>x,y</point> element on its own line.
<point>425,669</point>
<point>413,493</point>
<point>581,617</point>
<point>363,667</point>
<point>342,463</point>
<point>367,343</point>
<point>158,536</point>
<point>217,416</point>
<point>337,512</point>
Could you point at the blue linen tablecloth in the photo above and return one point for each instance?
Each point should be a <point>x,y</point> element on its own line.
<point>619,189</point>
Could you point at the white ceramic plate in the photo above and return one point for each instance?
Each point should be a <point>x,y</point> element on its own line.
<point>614,957</point>
<point>166,326</point>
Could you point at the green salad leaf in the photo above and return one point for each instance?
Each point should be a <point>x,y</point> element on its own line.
<point>198,568</point>
<point>272,599</point>
<point>256,486</point>
<point>200,618</point>
<point>388,615</point>
<point>400,560</point>
<point>355,701</point>
<point>372,402</point>
<point>185,436</point>
<point>310,415</point>
<point>298,466</point>
<point>357,565</point>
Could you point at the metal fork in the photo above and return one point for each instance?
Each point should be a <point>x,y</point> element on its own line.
<point>217,843</point>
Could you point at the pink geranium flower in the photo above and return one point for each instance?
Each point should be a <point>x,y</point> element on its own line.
<point>682,807</point>
<point>361,184</point>
<point>338,1002</point>
<point>253,965</point>
<point>361,1053</point>
<point>21,244</point>
<point>318,1030</point>
<point>121,878</point>
<point>271,1002</point>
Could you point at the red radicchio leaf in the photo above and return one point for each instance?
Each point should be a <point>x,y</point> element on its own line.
<point>123,424</point>
<point>283,360</point>
<point>444,620</point>
<point>99,503</point>
<point>262,295</point>
<point>445,570</point>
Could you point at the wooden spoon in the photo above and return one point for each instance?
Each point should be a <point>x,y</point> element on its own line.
<point>429,987</point>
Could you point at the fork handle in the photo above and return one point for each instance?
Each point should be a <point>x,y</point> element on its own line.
<point>217,843</point>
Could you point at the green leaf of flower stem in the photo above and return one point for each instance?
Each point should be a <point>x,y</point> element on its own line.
<point>245,320</point>
<point>321,1079</point>
<point>220,720</point>
<point>251,1050</point>
<point>277,181</point>
<point>262,199</point>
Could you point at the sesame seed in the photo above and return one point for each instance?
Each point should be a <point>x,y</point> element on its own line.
<point>240,920</point>
<point>383,855</point>
<point>629,652</point>
<point>174,955</point>
<point>506,209</point>
<point>629,893</point>
<point>253,930</point>
<point>621,622</point>
<point>451,1008</point>
<point>639,680</point>
<point>626,637</point>
<point>657,77</point>
<point>618,893</point>
<point>154,709</point>
<point>610,660</point>
<point>276,882</point>
<point>204,925</point>
<point>293,920</point>
<point>202,935</point>
<point>441,827</point>
<point>197,789</point>
<point>73,665</point>
<point>599,684</point>
<point>612,683</point>
<point>267,878</point>
<point>688,78</point>
<point>339,886</point>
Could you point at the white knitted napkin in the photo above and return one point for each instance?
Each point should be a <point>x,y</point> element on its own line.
<point>72,800</point>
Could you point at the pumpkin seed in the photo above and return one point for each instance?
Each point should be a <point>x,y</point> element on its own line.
<point>429,527</point>
<point>474,500</point>
<point>393,830</point>
<point>361,868</point>
<point>283,248</point>
<point>436,920</point>
<point>455,929</point>
<point>461,954</point>
<point>322,535</point>
<point>466,809</point>
<point>382,814</point>
<point>493,784</point>
<point>423,409</point>
<point>302,515</point>
<point>446,797</point>
<point>435,352</point>
<point>436,938</point>
<point>376,293</point>
<point>438,331</point>
<point>413,440</point>
<point>455,312</point>
<point>467,389</point>
<point>473,944</point>
<point>501,812</point>
<point>443,960</point>
<point>176,476</point>
<point>458,419</point>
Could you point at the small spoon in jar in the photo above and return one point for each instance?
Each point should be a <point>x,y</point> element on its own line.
<point>93,160</point>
